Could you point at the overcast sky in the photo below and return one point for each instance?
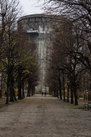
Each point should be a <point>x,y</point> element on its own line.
<point>31,6</point>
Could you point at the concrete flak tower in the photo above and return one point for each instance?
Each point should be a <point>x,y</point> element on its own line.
<point>39,26</point>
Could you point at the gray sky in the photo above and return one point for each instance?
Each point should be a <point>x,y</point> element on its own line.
<point>31,6</point>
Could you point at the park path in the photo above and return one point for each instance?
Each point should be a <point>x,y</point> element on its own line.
<point>39,116</point>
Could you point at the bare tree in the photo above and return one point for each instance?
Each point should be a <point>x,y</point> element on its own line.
<point>9,14</point>
<point>79,13</point>
<point>66,59</point>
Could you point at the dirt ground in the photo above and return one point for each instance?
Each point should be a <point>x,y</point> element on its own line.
<point>39,116</point>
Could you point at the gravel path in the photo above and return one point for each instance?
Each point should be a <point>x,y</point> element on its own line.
<point>43,117</point>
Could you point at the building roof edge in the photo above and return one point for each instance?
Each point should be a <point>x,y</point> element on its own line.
<point>38,15</point>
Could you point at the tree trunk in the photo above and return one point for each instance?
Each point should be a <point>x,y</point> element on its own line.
<point>55,89</point>
<point>19,88</point>
<point>33,88</point>
<point>11,86</point>
<point>23,94</point>
<point>72,99</point>
<point>14,95</point>
<point>64,94</point>
<point>60,89</point>
<point>7,96</point>
<point>75,96</point>
<point>1,85</point>
<point>29,88</point>
<point>19,84</point>
<point>63,88</point>
<point>8,88</point>
<point>68,93</point>
<point>12,91</point>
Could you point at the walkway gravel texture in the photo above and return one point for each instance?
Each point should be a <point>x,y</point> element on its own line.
<point>39,116</point>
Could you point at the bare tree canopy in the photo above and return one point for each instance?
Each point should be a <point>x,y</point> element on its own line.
<point>75,9</point>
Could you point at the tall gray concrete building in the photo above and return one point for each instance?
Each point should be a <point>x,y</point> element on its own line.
<point>39,26</point>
